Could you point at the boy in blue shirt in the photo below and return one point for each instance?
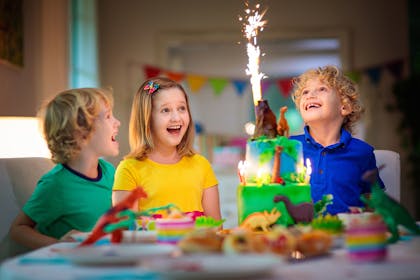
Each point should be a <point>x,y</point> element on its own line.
<point>329,105</point>
<point>79,128</point>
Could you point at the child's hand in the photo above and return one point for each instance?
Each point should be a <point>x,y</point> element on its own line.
<point>68,236</point>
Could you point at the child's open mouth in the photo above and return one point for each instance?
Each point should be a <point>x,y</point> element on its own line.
<point>174,129</point>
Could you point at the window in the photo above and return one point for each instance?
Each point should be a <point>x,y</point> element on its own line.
<point>83,49</point>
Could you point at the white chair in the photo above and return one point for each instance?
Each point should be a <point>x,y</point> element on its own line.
<point>391,172</point>
<point>18,179</point>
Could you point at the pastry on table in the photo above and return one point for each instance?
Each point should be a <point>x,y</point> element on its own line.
<point>203,240</point>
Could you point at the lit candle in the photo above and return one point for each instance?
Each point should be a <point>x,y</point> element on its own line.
<point>241,172</point>
<point>308,171</point>
<point>263,176</point>
<point>301,171</point>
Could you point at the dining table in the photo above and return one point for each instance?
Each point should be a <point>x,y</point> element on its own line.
<point>402,262</point>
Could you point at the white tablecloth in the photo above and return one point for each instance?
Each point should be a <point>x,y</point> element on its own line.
<point>403,262</point>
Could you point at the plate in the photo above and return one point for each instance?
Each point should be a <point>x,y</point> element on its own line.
<point>214,266</point>
<point>129,236</point>
<point>116,254</point>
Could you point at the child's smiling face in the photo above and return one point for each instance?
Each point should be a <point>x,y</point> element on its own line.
<point>170,117</point>
<point>103,139</point>
<point>320,102</point>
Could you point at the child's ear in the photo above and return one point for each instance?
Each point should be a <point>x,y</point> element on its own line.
<point>345,109</point>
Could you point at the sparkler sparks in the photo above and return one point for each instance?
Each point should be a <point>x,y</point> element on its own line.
<point>252,25</point>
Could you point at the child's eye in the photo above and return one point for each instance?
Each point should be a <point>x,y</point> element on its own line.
<point>323,89</point>
<point>182,109</point>
<point>165,110</point>
<point>305,92</point>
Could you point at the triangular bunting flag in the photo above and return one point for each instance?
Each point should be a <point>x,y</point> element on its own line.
<point>240,86</point>
<point>374,74</point>
<point>151,71</point>
<point>354,76</point>
<point>285,85</point>
<point>396,68</point>
<point>265,84</point>
<point>218,84</point>
<point>176,76</point>
<point>196,82</point>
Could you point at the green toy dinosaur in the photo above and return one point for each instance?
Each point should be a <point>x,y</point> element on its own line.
<point>392,212</point>
<point>320,207</point>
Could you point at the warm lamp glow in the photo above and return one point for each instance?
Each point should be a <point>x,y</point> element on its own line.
<point>21,137</point>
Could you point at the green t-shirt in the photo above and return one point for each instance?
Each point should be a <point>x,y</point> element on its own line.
<point>65,199</point>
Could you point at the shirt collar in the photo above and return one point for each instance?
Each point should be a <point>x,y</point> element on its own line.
<point>345,138</point>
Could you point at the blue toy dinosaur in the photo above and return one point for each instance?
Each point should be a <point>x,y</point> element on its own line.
<point>392,212</point>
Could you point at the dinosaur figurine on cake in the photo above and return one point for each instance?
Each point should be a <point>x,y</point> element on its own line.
<point>392,212</point>
<point>300,213</point>
<point>265,123</point>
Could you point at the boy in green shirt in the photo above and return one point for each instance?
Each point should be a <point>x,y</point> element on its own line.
<point>79,128</point>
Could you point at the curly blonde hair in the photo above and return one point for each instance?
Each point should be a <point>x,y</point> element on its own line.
<point>345,88</point>
<point>140,135</point>
<point>68,119</point>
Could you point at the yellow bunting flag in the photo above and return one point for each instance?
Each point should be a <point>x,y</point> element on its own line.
<point>196,82</point>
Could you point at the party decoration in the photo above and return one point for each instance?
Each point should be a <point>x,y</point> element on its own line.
<point>151,71</point>
<point>196,82</point>
<point>285,86</point>
<point>218,84</point>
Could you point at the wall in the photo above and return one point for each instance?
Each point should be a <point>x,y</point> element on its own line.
<point>45,59</point>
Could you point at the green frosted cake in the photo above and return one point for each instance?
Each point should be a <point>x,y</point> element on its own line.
<point>274,183</point>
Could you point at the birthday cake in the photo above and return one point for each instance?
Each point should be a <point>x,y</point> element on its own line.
<point>274,183</point>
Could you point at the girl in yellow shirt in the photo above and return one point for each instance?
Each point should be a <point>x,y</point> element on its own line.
<point>162,159</point>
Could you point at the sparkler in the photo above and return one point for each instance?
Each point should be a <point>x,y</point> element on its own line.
<point>252,25</point>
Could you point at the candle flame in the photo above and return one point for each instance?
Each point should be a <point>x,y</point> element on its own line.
<point>242,167</point>
<point>308,167</point>
<point>252,26</point>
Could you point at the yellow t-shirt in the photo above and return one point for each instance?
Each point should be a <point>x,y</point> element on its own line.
<point>181,183</point>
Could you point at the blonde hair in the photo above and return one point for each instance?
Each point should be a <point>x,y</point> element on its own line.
<point>345,88</point>
<point>68,119</point>
<point>140,135</point>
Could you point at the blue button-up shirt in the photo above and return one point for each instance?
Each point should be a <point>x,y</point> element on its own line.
<point>338,169</point>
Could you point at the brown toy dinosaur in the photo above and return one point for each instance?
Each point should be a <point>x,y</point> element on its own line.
<point>283,126</point>
<point>266,123</point>
<point>303,212</point>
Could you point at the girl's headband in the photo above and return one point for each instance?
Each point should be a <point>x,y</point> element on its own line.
<point>151,87</point>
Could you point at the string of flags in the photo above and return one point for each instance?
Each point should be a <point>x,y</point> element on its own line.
<point>284,85</point>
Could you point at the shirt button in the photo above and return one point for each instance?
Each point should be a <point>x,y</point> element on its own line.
<point>324,153</point>
<point>321,171</point>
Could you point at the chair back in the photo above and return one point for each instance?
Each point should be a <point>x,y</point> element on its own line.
<point>391,172</point>
<point>18,179</point>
